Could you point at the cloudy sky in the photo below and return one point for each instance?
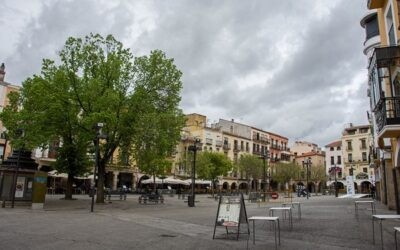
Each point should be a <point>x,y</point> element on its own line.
<point>292,67</point>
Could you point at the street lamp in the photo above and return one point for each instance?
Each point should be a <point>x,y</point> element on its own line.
<point>19,134</point>
<point>264,156</point>
<point>336,187</point>
<point>194,149</point>
<point>93,189</point>
<point>307,163</point>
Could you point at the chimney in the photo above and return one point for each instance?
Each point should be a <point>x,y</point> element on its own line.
<point>2,72</point>
<point>233,120</point>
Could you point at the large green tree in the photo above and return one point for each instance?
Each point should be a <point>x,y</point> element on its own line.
<point>285,172</point>
<point>158,120</point>
<point>210,165</point>
<point>98,80</point>
<point>250,167</point>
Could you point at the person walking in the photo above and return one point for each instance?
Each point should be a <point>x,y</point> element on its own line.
<point>373,192</point>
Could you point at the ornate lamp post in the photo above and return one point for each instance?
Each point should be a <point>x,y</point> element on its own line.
<point>264,157</point>
<point>194,149</point>
<point>307,163</point>
<point>336,187</point>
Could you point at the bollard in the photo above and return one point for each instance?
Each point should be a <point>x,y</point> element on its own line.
<point>3,203</point>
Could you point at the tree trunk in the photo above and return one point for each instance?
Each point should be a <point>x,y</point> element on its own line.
<point>68,191</point>
<point>100,182</point>
<point>154,184</point>
<point>212,187</point>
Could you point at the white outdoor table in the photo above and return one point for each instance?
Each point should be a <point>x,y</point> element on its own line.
<point>284,210</point>
<point>357,203</point>
<point>396,229</point>
<point>292,204</point>
<point>275,220</point>
<point>381,217</point>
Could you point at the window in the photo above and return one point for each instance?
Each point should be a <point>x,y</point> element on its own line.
<point>350,157</point>
<point>332,160</point>
<point>331,149</point>
<point>349,146</point>
<point>339,160</point>
<point>241,145</point>
<point>365,170</point>
<point>390,27</point>
<point>371,28</point>
<point>364,156</point>
<point>247,147</point>
<point>363,144</point>
<point>338,148</point>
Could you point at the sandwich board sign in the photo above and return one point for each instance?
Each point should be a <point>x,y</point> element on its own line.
<point>231,214</point>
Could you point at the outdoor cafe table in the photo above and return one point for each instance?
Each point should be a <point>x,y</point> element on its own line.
<point>275,220</point>
<point>357,203</point>
<point>292,204</point>
<point>381,217</point>
<point>284,210</point>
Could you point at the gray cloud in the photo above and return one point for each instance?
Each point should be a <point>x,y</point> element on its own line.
<point>283,66</point>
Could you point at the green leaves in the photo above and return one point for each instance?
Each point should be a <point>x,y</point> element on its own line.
<point>250,166</point>
<point>210,165</point>
<point>98,80</point>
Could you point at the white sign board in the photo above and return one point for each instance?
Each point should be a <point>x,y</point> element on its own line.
<point>350,185</point>
<point>19,188</point>
<point>229,214</point>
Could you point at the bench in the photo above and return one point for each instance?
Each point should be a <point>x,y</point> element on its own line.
<point>151,198</point>
<point>120,194</point>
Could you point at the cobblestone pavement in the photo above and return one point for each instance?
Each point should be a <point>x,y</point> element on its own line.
<point>327,223</point>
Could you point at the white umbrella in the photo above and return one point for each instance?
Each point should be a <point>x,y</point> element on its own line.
<point>201,182</point>
<point>170,180</point>
<point>151,180</point>
<point>55,173</point>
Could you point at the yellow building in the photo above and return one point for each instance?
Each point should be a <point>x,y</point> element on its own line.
<point>5,89</point>
<point>356,141</point>
<point>384,92</point>
<point>231,138</point>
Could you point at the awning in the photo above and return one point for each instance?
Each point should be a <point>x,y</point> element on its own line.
<point>55,173</point>
<point>168,180</point>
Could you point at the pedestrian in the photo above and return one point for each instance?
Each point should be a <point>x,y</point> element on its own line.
<point>373,192</point>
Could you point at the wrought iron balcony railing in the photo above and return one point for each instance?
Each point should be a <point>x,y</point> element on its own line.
<point>387,112</point>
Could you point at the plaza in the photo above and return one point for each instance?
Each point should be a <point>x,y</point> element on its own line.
<point>326,223</point>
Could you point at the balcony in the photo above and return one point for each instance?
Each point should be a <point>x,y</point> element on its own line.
<point>260,139</point>
<point>218,143</point>
<point>387,117</point>
<point>349,148</point>
<point>209,141</point>
<point>236,148</point>
<point>385,96</point>
<point>226,146</point>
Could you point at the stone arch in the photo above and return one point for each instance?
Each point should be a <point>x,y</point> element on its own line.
<point>254,184</point>
<point>233,186</point>
<point>225,186</point>
<point>365,187</point>
<point>243,186</point>
<point>311,187</point>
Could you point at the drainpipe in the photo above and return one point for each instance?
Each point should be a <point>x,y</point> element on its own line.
<point>384,182</point>
<point>396,190</point>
